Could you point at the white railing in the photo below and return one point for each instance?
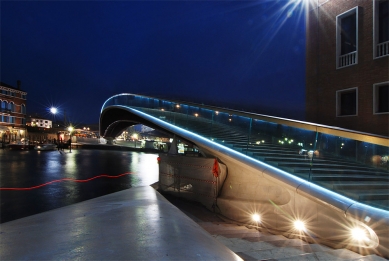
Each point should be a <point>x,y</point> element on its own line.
<point>382,49</point>
<point>347,59</point>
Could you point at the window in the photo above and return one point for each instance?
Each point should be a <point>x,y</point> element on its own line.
<point>11,119</point>
<point>23,108</point>
<point>347,38</point>
<point>4,106</point>
<point>23,121</point>
<point>11,106</point>
<point>381,28</point>
<point>347,102</point>
<point>381,98</point>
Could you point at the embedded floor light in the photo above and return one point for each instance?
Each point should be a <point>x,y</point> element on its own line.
<point>299,225</point>
<point>358,234</point>
<point>256,217</point>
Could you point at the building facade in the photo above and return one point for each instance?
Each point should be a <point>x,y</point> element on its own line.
<point>347,64</point>
<point>13,103</point>
<point>39,122</point>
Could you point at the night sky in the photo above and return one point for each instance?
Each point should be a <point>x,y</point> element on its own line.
<point>246,55</point>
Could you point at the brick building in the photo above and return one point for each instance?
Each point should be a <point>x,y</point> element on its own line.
<point>347,64</point>
<point>12,113</point>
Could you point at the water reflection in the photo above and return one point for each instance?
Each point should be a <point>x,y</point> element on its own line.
<point>32,168</point>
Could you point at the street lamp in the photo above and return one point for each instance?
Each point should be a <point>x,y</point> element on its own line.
<point>70,129</point>
<point>53,111</point>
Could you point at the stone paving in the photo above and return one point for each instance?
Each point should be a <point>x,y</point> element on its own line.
<point>251,244</point>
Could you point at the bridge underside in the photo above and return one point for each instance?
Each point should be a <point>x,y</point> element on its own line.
<point>116,120</point>
<point>252,186</point>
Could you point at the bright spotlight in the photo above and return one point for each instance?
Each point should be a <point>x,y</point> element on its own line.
<point>53,110</point>
<point>256,217</point>
<point>299,225</point>
<point>358,234</point>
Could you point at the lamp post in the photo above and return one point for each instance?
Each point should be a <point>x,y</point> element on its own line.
<point>70,129</point>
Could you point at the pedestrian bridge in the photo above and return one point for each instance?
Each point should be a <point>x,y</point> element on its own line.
<point>320,183</point>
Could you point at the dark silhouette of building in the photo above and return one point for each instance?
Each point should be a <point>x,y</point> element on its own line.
<point>347,64</point>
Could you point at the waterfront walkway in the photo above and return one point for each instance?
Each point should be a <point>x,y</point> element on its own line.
<point>141,224</point>
<point>133,224</point>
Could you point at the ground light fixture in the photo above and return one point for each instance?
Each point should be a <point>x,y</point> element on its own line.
<point>255,217</point>
<point>358,234</point>
<point>299,225</point>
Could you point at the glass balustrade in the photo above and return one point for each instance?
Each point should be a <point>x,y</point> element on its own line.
<point>349,163</point>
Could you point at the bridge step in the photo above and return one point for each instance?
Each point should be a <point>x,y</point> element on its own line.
<point>367,185</point>
<point>345,171</point>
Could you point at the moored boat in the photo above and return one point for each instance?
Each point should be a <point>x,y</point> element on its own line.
<point>21,145</point>
<point>46,146</point>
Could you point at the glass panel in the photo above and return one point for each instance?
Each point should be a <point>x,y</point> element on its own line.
<point>358,170</point>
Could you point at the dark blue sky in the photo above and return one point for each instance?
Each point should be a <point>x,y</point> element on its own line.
<point>75,54</point>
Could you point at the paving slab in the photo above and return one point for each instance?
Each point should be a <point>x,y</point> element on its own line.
<point>133,224</point>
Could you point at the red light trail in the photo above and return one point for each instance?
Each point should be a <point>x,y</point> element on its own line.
<point>69,179</point>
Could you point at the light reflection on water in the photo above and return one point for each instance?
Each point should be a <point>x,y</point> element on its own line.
<point>31,168</point>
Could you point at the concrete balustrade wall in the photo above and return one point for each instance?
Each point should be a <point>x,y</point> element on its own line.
<point>255,188</point>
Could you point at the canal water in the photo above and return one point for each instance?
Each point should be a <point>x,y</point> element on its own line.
<point>27,169</point>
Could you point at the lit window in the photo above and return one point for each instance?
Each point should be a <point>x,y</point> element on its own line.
<point>347,38</point>
<point>381,28</point>
<point>381,98</point>
<point>347,102</point>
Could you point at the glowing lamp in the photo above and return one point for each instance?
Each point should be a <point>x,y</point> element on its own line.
<point>256,217</point>
<point>53,110</point>
<point>358,234</point>
<point>299,225</point>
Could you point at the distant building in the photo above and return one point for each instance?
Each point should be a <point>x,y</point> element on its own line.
<point>347,64</point>
<point>39,122</point>
<point>12,113</point>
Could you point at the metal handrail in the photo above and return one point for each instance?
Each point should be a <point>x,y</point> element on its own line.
<point>336,131</point>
